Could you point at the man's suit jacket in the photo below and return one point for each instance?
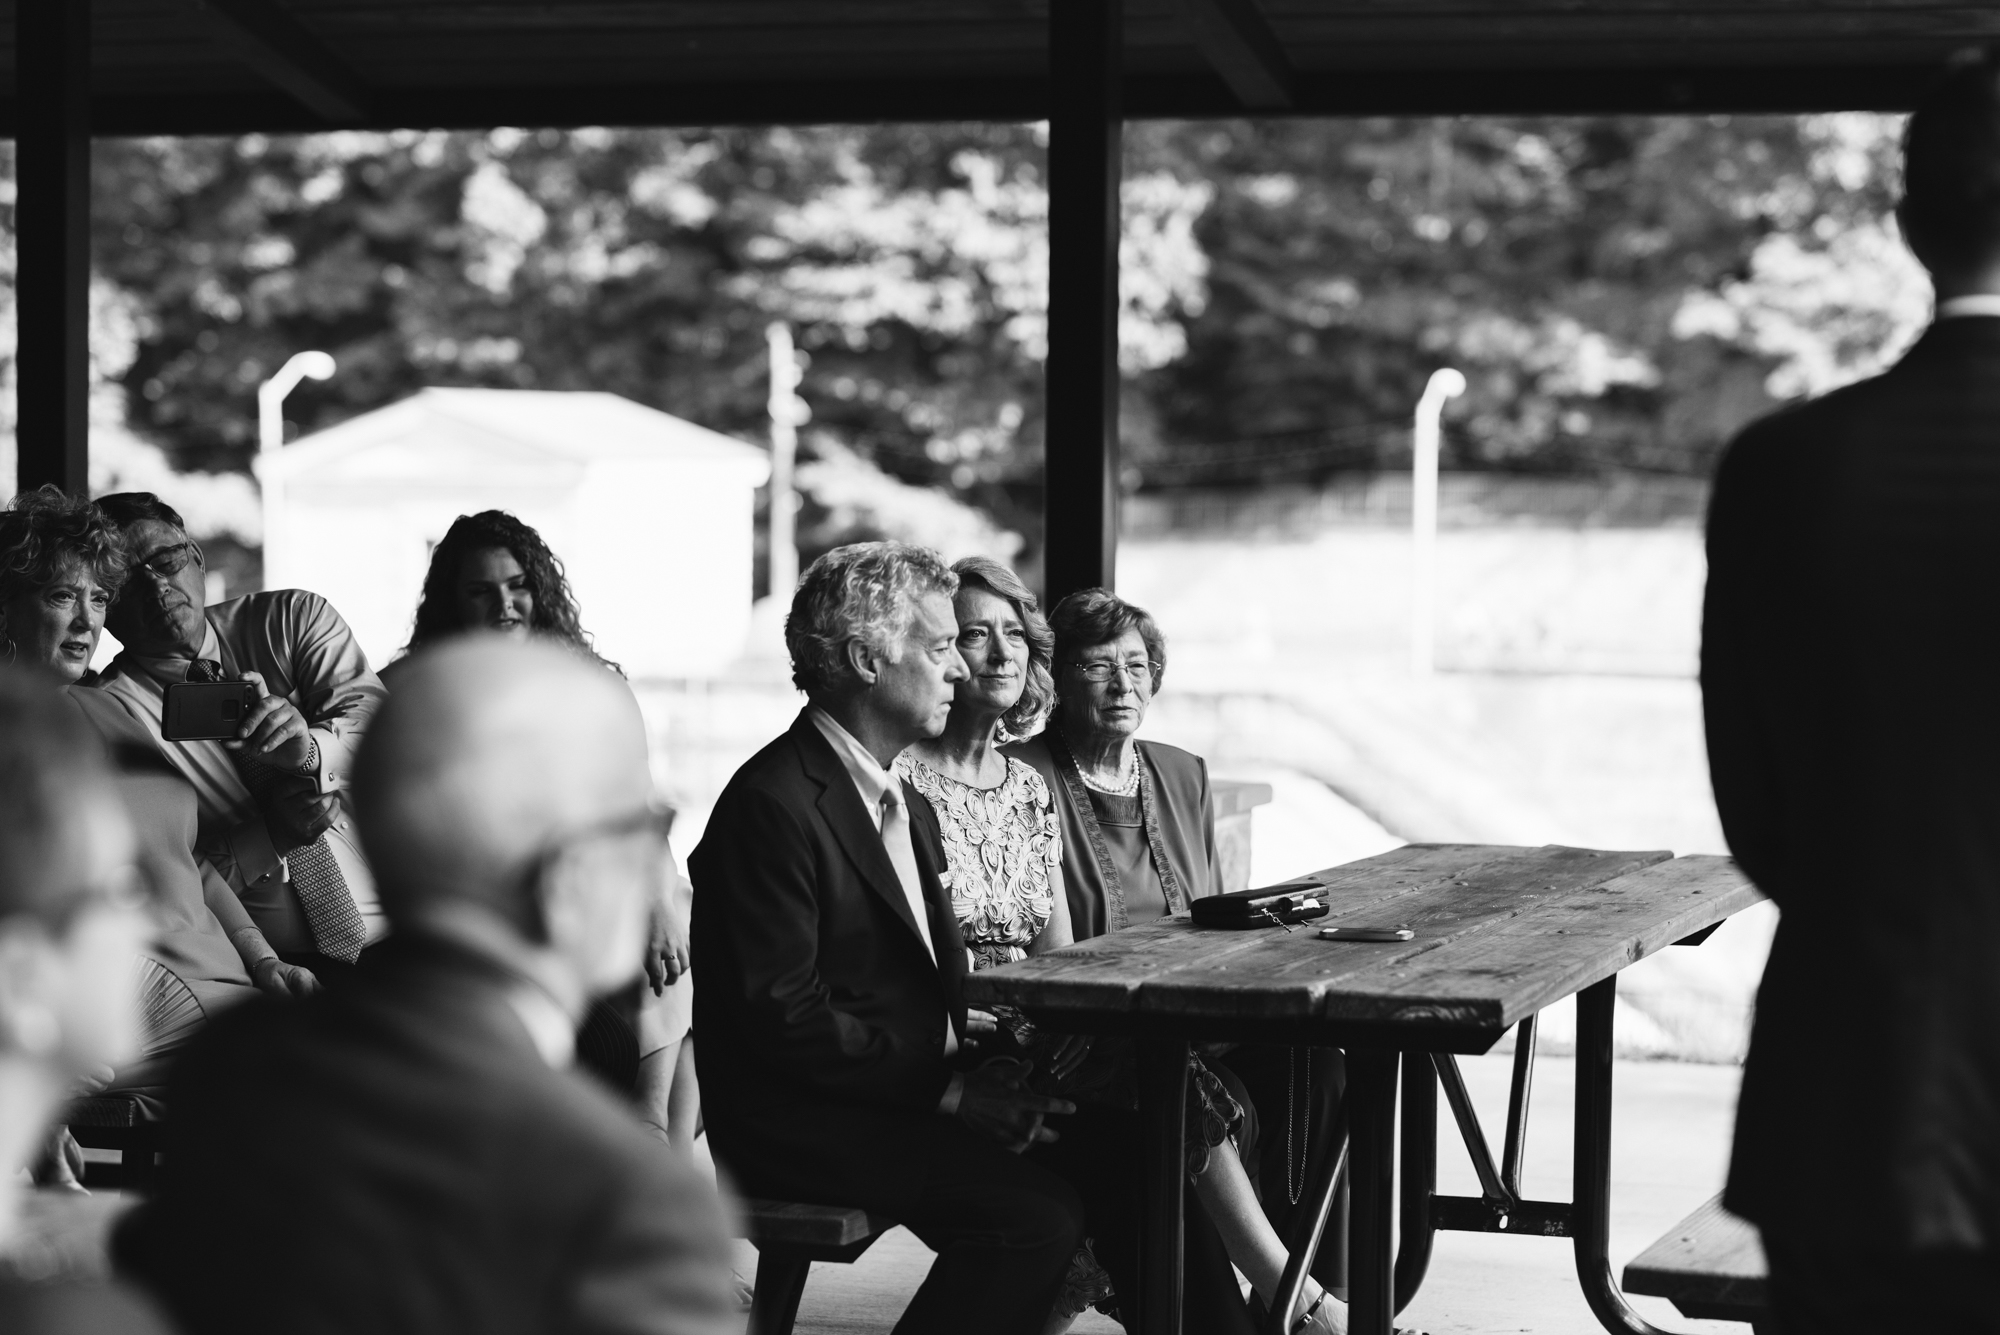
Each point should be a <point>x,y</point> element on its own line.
<point>821,1015</point>
<point>394,1155</point>
<point>1851,679</point>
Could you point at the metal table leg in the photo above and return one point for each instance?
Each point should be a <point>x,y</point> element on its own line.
<point>1323,1186</point>
<point>1420,1162</point>
<point>1371,1091</point>
<point>1162,1078</point>
<point>1590,1225</point>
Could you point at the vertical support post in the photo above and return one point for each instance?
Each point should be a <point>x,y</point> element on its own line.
<point>1086,143</point>
<point>52,236</point>
<point>1371,1086</point>
<point>1162,1072</point>
<point>787,413</point>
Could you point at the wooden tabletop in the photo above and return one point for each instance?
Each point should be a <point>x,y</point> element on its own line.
<point>1501,932</point>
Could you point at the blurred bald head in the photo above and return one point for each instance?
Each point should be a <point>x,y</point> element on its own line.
<point>488,752</point>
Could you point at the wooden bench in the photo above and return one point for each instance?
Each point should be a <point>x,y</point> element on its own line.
<point>116,1122</point>
<point>1710,1265</point>
<point>789,1237</point>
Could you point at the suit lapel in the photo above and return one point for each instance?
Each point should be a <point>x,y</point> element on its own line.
<point>950,946</point>
<point>845,814</point>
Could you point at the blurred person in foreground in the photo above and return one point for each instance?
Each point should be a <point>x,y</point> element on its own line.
<point>1849,645</point>
<point>275,818</point>
<point>71,921</point>
<point>832,1011</point>
<point>61,564</point>
<point>407,1151</point>
<point>494,573</point>
<point>1137,821</point>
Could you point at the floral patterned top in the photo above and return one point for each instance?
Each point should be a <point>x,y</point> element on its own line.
<point>1000,846</point>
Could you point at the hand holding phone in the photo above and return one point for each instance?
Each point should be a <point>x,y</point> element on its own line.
<point>207,711</point>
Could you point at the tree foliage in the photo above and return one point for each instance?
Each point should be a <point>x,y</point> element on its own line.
<point>1622,292</point>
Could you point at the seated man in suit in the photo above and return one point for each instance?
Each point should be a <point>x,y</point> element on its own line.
<point>831,1008</point>
<point>407,1152</point>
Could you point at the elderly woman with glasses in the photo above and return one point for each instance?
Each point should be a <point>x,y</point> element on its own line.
<point>1137,824</point>
<point>62,563</point>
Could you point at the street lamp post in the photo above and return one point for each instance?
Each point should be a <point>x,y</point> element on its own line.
<point>1444,384</point>
<point>271,438</point>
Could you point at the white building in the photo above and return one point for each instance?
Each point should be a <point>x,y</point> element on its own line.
<point>652,516</point>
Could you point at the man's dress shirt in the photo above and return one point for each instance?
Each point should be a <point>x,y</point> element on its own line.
<point>306,654</point>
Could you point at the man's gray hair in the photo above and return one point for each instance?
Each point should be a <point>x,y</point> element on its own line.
<point>866,591</point>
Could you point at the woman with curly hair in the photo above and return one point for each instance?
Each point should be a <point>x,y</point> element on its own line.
<point>62,563</point>
<point>493,572</point>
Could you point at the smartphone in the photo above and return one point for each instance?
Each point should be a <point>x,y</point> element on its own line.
<point>206,711</point>
<point>1367,934</point>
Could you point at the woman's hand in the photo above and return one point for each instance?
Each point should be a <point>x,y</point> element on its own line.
<point>275,978</point>
<point>979,1023</point>
<point>667,956</point>
<point>1069,1055</point>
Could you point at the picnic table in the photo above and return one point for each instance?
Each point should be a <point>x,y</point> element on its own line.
<point>1501,933</point>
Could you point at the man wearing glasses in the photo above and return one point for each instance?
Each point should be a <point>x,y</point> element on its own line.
<point>275,818</point>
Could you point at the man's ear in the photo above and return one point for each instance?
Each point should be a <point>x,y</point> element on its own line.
<point>862,661</point>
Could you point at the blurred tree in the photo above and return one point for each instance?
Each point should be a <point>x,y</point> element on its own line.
<point>1622,292</point>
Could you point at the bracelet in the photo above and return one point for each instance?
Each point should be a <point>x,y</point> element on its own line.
<point>311,762</point>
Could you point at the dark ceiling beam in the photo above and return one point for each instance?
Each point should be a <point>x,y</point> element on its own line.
<point>272,43</point>
<point>1382,92</point>
<point>1234,37</point>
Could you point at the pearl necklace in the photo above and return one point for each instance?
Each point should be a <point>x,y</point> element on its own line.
<point>1127,785</point>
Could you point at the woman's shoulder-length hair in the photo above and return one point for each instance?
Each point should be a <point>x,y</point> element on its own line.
<point>556,614</point>
<point>1038,693</point>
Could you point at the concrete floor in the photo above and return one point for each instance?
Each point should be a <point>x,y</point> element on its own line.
<point>1670,1151</point>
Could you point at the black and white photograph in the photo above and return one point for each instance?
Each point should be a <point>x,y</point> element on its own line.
<point>999,667</point>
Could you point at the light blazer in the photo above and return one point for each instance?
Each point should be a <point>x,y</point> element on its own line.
<point>822,1017</point>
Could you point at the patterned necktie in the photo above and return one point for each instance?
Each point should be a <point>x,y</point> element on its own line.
<point>336,926</point>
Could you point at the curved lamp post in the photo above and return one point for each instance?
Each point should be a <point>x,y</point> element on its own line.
<point>271,437</point>
<point>1444,384</point>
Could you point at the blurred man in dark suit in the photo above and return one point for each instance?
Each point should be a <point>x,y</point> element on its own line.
<point>831,1010</point>
<point>408,1152</point>
<point>1851,677</point>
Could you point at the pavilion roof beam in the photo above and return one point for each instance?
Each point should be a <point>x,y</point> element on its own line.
<point>274,44</point>
<point>1237,41</point>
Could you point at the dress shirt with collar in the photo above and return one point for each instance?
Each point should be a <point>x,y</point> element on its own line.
<point>877,786</point>
<point>305,653</point>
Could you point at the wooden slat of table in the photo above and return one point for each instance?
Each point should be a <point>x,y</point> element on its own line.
<point>1299,976</point>
<point>1502,932</point>
<point>1105,974</point>
<point>1565,943</point>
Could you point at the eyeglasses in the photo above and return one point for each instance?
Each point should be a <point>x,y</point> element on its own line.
<point>1141,673</point>
<point>169,561</point>
<point>650,825</point>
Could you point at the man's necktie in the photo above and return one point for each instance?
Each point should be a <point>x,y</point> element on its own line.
<point>337,930</point>
<point>903,857</point>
